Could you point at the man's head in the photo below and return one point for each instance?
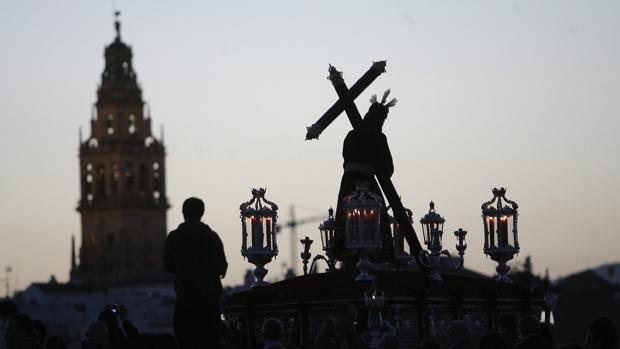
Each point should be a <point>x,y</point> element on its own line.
<point>55,342</point>
<point>344,316</point>
<point>458,331</point>
<point>109,317</point>
<point>376,116</point>
<point>272,330</point>
<point>18,327</point>
<point>492,340</point>
<point>378,111</point>
<point>39,331</point>
<point>603,333</point>
<point>97,335</point>
<point>193,209</point>
<point>529,325</point>
<point>7,309</point>
<point>507,323</point>
<point>388,341</point>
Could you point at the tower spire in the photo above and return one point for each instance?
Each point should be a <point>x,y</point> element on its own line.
<point>117,24</point>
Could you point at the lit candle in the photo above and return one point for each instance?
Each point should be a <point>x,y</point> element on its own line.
<point>492,230</point>
<point>502,234</point>
<point>261,235</point>
<point>268,228</point>
<point>254,233</point>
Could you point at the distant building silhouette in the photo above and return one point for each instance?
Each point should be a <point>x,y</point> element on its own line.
<point>123,194</point>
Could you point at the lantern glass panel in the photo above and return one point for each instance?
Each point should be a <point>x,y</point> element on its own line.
<point>353,220</point>
<point>425,232</point>
<point>436,236</point>
<point>491,230</point>
<point>324,236</point>
<point>504,231</point>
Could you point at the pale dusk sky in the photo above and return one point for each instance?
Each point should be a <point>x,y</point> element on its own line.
<point>521,94</point>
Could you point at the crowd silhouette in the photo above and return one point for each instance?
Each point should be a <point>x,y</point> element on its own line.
<point>113,330</point>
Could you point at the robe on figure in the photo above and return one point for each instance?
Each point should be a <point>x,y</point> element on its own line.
<point>366,153</point>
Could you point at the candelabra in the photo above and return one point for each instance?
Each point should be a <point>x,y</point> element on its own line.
<point>432,227</point>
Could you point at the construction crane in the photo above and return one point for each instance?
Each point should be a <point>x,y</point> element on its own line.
<point>292,224</point>
<point>7,281</point>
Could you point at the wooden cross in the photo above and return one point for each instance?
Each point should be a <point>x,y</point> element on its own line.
<point>346,102</point>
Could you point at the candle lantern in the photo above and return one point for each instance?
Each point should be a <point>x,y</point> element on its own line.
<point>499,216</point>
<point>432,228</point>
<point>374,300</point>
<point>401,257</point>
<point>363,226</point>
<point>258,232</point>
<point>328,232</point>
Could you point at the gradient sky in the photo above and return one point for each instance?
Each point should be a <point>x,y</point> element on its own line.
<point>491,93</point>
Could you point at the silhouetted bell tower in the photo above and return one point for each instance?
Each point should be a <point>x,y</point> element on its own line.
<point>123,188</point>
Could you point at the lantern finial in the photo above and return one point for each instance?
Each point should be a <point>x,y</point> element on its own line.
<point>500,193</point>
<point>432,205</point>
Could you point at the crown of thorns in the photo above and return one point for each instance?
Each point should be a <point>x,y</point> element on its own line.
<point>390,104</point>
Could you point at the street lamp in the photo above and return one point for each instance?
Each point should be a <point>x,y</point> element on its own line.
<point>261,216</point>
<point>500,231</point>
<point>363,226</point>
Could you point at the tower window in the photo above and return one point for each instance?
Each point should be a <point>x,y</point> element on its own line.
<point>132,124</point>
<point>156,166</point>
<point>148,141</point>
<point>142,177</point>
<point>93,143</point>
<point>129,177</point>
<point>114,182</point>
<point>109,124</point>
<point>100,181</point>
<point>156,195</point>
<point>89,167</point>
<point>86,184</point>
<point>89,197</point>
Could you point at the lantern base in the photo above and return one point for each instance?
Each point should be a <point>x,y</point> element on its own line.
<point>364,266</point>
<point>259,273</point>
<point>434,275</point>
<point>502,271</point>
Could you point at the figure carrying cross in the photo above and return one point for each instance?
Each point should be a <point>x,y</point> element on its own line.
<point>366,154</point>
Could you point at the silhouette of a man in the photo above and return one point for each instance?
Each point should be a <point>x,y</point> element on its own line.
<point>195,254</point>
